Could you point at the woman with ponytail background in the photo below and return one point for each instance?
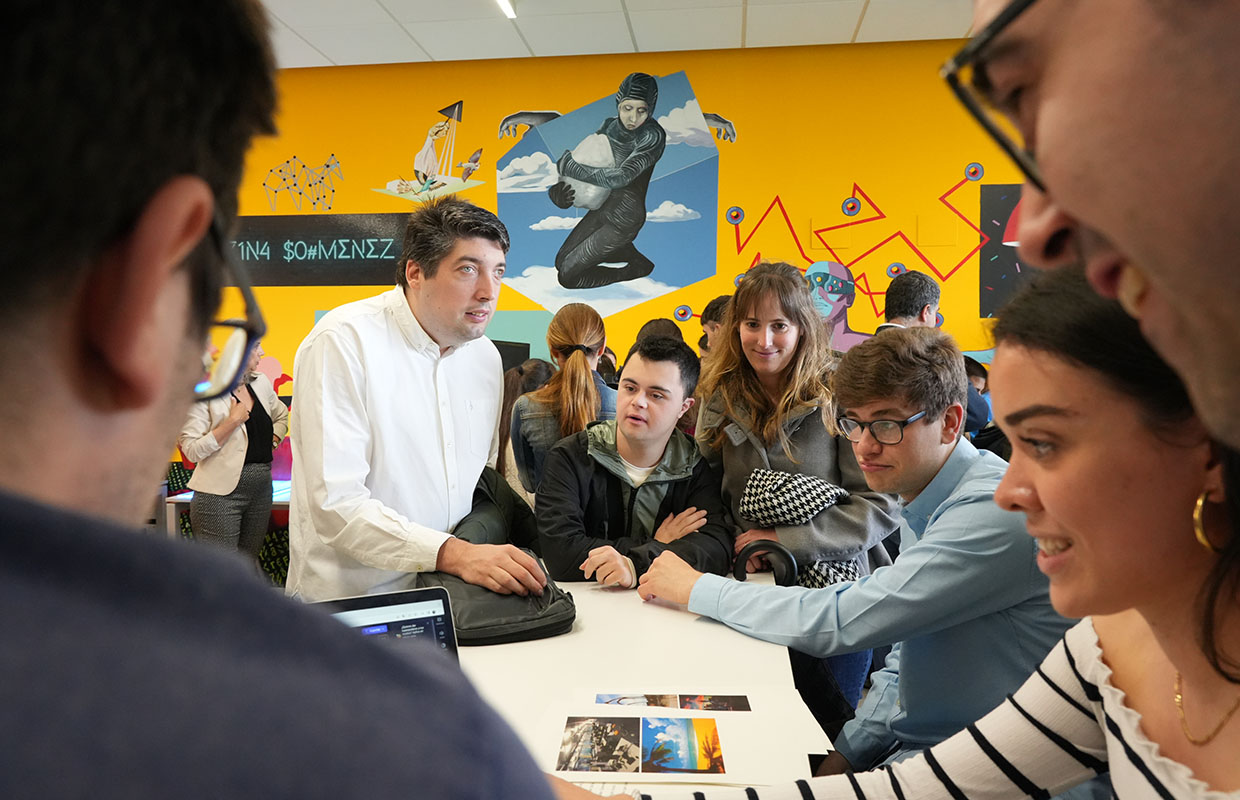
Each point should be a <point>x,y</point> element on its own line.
<point>574,397</point>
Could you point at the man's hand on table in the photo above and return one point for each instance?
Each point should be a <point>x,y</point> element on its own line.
<point>607,566</point>
<point>501,568</point>
<point>568,791</point>
<point>669,578</point>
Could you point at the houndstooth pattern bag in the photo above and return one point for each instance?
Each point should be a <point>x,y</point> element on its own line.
<point>773,498</point>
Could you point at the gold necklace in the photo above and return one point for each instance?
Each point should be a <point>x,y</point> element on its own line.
<point>1179,706</point>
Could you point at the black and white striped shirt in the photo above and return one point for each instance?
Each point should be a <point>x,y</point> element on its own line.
<point>1066,724</point>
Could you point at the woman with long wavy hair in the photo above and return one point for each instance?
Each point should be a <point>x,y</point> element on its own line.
<point>767,406</point>
<point>574,397</point>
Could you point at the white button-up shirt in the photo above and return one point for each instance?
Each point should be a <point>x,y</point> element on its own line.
<point>389,440</point>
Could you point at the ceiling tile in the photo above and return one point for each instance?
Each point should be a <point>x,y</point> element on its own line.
<point>323,13</point>
<point>437,10</point>
<point>659,5</point>
<point>687,29</point>
<point>292,51</point>
<point>773,25</point>
<point>902,20</point>
<point>576,34</point>
<point>365,44</point>
<point>539,8</point>
<point>463,40</point>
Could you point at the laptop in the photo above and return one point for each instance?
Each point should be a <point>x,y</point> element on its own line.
<point>411,614</point>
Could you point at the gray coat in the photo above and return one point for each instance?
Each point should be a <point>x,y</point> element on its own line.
<point>845,531</point>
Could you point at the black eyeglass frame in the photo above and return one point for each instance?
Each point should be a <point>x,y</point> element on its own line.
<point>966,56</point>
<point>255,326</point>
<point>845,422</point>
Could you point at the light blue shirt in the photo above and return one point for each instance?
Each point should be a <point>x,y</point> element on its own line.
<point>965,601</point>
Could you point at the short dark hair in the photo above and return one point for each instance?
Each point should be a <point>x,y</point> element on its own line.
<point>715,309</point>
<point>974,368</point>
<point>920,366</point>
<point>103,104</point>
<point>665,348</point>
<point>660,327</point>
<point>908,293</point>
<point>434,229</point>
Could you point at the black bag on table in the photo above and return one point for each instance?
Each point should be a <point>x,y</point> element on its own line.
<point>500,516</point>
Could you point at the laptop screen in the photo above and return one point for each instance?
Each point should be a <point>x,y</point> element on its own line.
<point>413,614</point>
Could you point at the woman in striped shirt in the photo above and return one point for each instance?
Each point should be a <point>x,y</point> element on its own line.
<point>1135,512</point>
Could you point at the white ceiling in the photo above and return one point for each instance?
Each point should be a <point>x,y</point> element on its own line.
<point>324,33</point>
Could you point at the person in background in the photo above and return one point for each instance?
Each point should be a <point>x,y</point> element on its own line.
<point>134,667</point>
<point>528,376</point>
<point>913,302</point>
<point>976,373</point>
<point>712,319</point>
<point>231,440</point>
<point>398,403</point>
<point>660,326</point>
<point>703,346</point>
<point>575,396</point>
<point>622,491</point>
<point>767,406</point>
<point>607,368</point>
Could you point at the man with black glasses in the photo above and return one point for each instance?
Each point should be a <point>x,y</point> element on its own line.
<point>1123,117</point>
<point>132,666</point>
<point>965,601</point>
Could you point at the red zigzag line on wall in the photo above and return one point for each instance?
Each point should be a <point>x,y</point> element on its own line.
<point>740,246</point>
<point>879,215</point>
<point>943,276</point>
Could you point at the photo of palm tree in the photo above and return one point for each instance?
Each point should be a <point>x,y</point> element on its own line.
<point>681,745</point>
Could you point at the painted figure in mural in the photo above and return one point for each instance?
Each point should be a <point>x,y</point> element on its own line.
<point>600,251</point>
<point>834,292</point>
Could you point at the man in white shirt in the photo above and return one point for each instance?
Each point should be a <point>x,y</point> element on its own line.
<point>397,402</point>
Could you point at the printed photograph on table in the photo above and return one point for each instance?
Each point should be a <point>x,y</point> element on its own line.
<point>681,745</point>
<point>659,700</point>
<point>715,702</point>
<point>600,744</point>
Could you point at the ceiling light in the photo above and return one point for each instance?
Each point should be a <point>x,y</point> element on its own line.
<point>506,7</point>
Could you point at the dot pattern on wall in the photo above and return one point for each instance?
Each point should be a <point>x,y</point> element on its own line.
<point>735,215</point>
<point>896,268</point>
<point>301,181</point>
<point>683,313</point>
<point>974,171</point>
<point>851,206</point>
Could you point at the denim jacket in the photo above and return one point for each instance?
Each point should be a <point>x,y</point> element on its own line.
<point>535,430</point>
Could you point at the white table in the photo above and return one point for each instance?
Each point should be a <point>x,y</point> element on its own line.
<point>621,644</point>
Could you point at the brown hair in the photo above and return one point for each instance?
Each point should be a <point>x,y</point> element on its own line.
<point>920,366</point>
<point>730,384</point>
<point>529,375</point>
<point>575,334</point>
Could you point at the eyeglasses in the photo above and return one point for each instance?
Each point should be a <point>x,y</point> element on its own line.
<point>965,82</point>
<point>229,342</point>
<point>884,431</point>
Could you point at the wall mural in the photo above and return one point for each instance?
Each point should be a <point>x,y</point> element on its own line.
<point>613,166</point>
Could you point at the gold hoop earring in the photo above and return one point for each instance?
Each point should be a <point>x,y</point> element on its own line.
<point>1199,526</point>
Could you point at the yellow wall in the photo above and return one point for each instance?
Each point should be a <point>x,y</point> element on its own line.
<point>811,122</point>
